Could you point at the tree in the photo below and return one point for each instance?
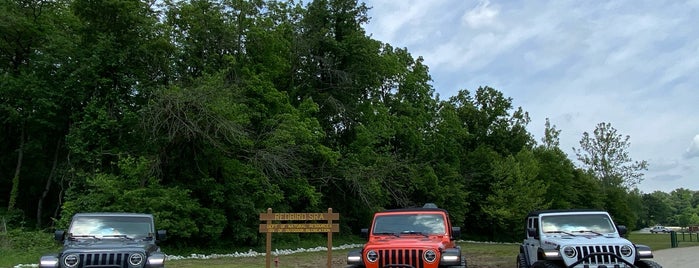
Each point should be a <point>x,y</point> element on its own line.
<point>550,139</point>
<point>32,99</point>
<point>605,154</point>
<point>516,192</point>
<point>333,54</point>
<point>556,170</point>
<point>658,208</point>
<point>486,128</point>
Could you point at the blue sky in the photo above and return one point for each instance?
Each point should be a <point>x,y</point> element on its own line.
<point>634,64</point>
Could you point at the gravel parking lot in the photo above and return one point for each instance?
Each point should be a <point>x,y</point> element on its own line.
<point>677,257</point>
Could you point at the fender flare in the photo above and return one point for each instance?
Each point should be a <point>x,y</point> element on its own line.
<point>524,253</point>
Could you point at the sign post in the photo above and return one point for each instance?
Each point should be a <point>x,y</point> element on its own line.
<point>284,223</point>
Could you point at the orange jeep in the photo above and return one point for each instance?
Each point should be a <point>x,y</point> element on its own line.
<point>409,238</point>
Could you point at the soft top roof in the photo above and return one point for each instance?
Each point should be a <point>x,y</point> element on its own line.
<point>417,209</point>
<point>115,214</point>
<point>539,212</point>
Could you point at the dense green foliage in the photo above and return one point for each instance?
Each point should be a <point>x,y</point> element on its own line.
<point>206,113</point>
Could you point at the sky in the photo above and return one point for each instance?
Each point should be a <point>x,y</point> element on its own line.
<point>633,64</point>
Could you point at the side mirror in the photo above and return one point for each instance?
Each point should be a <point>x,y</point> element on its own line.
<point>162,235</point>
<point>364,233</point>
<point>622,230</point>
<point>531,232</point>
<point>455,232</point>
<point>59,235</point>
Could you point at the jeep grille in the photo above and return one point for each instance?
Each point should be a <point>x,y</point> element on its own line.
<point>583,251</point>
<point>401,258</point>
<point>104,260</point>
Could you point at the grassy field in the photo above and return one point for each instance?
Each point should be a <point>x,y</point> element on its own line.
<point>478,255</point>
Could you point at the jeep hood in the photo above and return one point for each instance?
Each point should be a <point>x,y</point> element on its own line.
<point>583,240</point>
<point>405,242</point>
<point>111,245</point>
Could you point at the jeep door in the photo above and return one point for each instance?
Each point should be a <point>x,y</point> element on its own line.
<point>531,242</point>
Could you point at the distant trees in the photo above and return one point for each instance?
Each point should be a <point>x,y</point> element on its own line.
<point>206,113</point>
<point>605,154</point>
<point>677,208</point>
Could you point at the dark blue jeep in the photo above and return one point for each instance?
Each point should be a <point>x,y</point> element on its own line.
<point>108,240</point>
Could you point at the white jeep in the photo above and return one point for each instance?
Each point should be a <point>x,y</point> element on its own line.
<point>580,239</point>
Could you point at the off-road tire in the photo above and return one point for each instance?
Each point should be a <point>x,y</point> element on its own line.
<point>647,264</point>
<point>521,261</point>
<point>547,264</point>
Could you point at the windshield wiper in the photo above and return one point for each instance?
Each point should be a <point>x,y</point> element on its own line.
<point>415,232</point>
<point>119,235</point>
<point>388,233</point>
<point>559,232</point>
<point>73,237</point>
<point>588,231</point>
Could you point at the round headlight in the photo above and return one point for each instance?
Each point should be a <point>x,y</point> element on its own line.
<point>626,251</point>
<point>569,252</point>
<point>430,256</point>
<point>71,260</point>
<point>136,259</point>
<point>372,256</point>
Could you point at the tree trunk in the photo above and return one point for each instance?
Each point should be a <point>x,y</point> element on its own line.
<point>49,180</point>
<point>15,180</point>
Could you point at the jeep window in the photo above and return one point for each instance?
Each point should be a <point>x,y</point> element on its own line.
<point>109,226</point>
<point>579,223</point>
<point>418,223</point>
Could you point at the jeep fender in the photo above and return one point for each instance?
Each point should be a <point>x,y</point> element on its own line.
<point>451,257</point>
<point>354,257</point>
<point>524,253</point>
<point>551,255</point>
<point>49,261</point>
<point>643,252</point>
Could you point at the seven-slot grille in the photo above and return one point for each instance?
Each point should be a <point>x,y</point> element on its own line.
<point>104,260</point>
<point>401,257</point>
<point>583,251</point>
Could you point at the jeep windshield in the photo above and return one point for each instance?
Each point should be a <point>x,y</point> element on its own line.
<point>115,227</point>
<point>578,224</point>
<point>416,224</point>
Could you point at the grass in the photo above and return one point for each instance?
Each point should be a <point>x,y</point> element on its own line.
<point>478,255</point>
<point>18,246</point>
<point>662,241</point>
<point>484,255</point>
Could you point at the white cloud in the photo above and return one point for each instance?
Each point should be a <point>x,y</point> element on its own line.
<point>693,149</point>
<point>482,15</point>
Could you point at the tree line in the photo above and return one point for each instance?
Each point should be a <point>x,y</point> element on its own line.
<point>206,113</point>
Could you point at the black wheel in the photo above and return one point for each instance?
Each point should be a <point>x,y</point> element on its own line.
<point>521,261</point>
<point>647,264</point>
<point>547,264</point>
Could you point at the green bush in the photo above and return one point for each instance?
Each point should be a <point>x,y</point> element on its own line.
<point>27,240</point>
<point>11,218</point>
<point>19,246</point>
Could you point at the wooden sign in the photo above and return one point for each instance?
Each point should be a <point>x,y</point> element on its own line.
<point>299,216</point>
<point>290,223</point>
<point>300,228</point>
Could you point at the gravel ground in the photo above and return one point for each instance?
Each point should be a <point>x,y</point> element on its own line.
<point>677,257</point>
